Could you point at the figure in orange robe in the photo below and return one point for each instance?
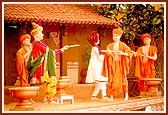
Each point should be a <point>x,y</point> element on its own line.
<point>144,65</point>
<point>116,65</point>
<point>22,56</point>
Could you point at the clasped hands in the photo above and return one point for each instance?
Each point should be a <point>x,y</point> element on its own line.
<point>118,52</point>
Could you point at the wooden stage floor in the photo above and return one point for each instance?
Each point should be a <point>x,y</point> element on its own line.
<point>83,103</point>
<point>134,104</point>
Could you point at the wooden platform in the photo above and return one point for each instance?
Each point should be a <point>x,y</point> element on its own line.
<point>80,91</point>
<point>83,103</point>
<point>82,106</point>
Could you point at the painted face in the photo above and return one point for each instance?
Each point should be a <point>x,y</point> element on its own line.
<point>98,41</point>
<point>116,37</point>
<point>26,42</point>
<point>40,34</point>
<point>147,40</point>
<point>34,25</point>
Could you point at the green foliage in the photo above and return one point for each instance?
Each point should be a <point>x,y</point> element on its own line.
<point>107,10</point>
<point>136,19</point>
<point>86,56</point>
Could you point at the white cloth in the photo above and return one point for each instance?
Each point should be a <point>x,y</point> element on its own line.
<point>95,67</point>
<point>100,86</point>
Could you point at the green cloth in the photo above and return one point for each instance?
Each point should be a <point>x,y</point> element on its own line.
<point>32,66</point>
<point>51,67</point>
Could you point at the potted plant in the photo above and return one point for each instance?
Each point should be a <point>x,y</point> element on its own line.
<point>86,59</point>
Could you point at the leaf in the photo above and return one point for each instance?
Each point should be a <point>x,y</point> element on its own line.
<point>156,21</point>
<point>131,23</point>
<point>147,17</point>
<point>115,11</point>
<point>161,10</point>
<point>131,38</point>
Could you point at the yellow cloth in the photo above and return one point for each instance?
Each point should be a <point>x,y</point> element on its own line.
<point>50,81</point>
<point>50,85</point>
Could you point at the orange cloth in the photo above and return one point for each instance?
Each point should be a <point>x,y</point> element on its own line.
<point>21,67</point>
<point>116,71</point>
<point>25,36</point>
<point>144,36</point>
<point>144,70</point>
<point>117,31</point>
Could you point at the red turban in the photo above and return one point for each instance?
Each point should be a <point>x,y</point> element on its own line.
<point>25,36</point>
<point>118,31</point>
<point>145,35</point>
<point>93,38</point>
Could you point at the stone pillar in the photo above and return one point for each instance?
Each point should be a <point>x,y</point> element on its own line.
<point>72,72</point>
<point>58,69</point>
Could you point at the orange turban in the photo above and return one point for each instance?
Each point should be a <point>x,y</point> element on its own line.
<point>118,31</point>
<point>145,35</point>
<point>36,29</point>
<point>25,36</point>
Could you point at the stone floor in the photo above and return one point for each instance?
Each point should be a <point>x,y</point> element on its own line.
<point>117,105</point>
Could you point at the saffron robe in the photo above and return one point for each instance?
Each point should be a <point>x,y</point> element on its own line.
<point>144,69</point>
<point>21,67</point>
<point>116,70</point>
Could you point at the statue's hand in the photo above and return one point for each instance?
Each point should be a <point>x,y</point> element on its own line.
<point>65,47</point>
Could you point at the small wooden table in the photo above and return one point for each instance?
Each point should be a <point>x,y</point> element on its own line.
<point>61,98</point>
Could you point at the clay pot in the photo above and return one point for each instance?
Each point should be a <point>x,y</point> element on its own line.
<point>62,83</point>
<point>83,74</point>
<point>152,84</point>
<point>24,94</point>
